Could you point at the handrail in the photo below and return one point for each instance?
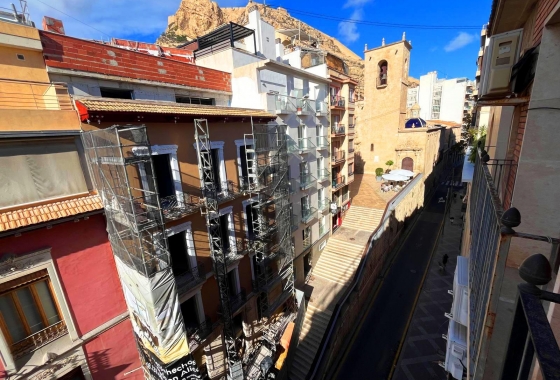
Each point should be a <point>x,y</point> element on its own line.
<point>391,205</point>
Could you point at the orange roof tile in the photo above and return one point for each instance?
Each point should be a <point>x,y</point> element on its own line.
<point>10,220</point>
<point>161,107</point>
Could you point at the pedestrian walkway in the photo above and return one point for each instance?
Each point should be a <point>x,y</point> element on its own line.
<point>334,271</point>
<point>424,346</point>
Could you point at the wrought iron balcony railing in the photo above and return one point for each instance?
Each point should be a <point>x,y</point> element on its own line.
<point>322,142</point>
<point>338,182</point>
<point>323,175</point>
<point>338,101</point>
<point>338,156</point>
<point>306,181</point>
<point>190,279</point>
<point>178,206</point>
<point>197,334</point>
<point>338,129</point>
<point>39,339</point>
<point>308,214</point>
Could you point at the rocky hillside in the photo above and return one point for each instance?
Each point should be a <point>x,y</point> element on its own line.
<point>196,17</point>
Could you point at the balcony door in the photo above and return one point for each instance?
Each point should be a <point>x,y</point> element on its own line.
<point>163,174</point>
<point>305,205</point>
<point>336,120</point>
<point>178,250</point>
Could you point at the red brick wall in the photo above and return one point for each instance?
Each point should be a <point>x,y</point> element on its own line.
<point>76,54</point>
<point>516,154</point>
<point>544,7</point>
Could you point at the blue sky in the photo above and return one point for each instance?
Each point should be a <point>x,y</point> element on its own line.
<point>452,53</point>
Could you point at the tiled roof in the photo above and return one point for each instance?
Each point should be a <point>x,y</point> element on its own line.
<point>119,105</point>
<point>11,220</point>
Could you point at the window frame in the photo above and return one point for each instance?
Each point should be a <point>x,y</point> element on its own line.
<point>38,305</point>
<point>25,264</point>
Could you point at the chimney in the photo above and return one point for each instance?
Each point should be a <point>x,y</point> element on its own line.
<point>53,25</point>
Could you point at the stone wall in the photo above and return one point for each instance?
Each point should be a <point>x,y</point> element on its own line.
<point>345,316</point>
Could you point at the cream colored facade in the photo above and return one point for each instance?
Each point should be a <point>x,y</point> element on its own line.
<point>382,133</point>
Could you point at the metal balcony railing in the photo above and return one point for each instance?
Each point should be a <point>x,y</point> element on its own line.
<point>306,181</point>
<point>323,175</point>
<point>308,214</point>
<point>229,191</point>
<point>338,101</point>
<point>338,182</point>
<point>338,156</point>
<point>306,242</point>
<point>18,95</point>
<point>190,279</point>
<point>238,300</point>
<point>303,144</point>
<point>323,204</point>
<point>321,108</point>
<point>350,176</point>
<point>345,197</point>
<point>295,221</point>
<point>351,128</point>
<point>39,339</point>
<point>178,206</point>
<point>322,142</point>
<point>338,129</point>
<point>197,334</point>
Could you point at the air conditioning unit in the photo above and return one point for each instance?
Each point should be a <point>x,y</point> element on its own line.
<point>459,308</point>
<point>500,56</point>
<point>456,352</point>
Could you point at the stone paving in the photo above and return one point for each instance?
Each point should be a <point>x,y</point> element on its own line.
<point>424,346</point>
<point>365,191</point>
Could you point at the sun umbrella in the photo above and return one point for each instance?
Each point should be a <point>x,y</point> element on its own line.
<point>404,172</point>
<point>394,177</point>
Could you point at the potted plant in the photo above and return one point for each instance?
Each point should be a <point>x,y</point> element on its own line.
<point>378,174</point>
<point>389,164</point>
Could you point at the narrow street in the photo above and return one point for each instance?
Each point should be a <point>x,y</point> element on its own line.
<point>373,351</point>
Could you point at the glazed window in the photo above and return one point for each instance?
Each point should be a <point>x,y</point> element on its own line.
<point>30,316</point>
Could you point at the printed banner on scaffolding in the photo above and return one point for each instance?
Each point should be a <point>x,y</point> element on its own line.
<point>158,324</point>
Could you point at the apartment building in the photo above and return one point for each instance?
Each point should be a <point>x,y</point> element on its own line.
<point>62,310</point>
<point>342,99</point>
<point>510,235</point>
<point>286,84</point>
<point>443,99</point>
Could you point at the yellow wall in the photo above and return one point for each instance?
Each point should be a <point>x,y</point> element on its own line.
<point>384,107</point>
<point>31,69</point>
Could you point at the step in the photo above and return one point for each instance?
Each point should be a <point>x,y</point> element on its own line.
<point>296,373</point>
<point>338,260</point>
<point>335,273</point>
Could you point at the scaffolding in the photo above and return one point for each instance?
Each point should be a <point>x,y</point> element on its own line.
<point>121,164</point>
<point>267,165</point>
<point>219,256</point>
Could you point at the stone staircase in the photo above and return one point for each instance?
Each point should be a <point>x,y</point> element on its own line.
<point>336,266</point>
<point>314,326</point>
<point>362,218</point>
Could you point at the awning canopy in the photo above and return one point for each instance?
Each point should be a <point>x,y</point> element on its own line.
<point>403,172</point>
<point>394,177</point>
<point>228,32</point>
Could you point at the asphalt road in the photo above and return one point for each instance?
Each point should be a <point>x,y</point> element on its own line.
<point>375,346</point>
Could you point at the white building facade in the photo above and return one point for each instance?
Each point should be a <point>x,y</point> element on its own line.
<point>442,99</point>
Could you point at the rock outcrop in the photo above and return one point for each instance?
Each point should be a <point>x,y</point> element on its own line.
<point>196,17</point>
